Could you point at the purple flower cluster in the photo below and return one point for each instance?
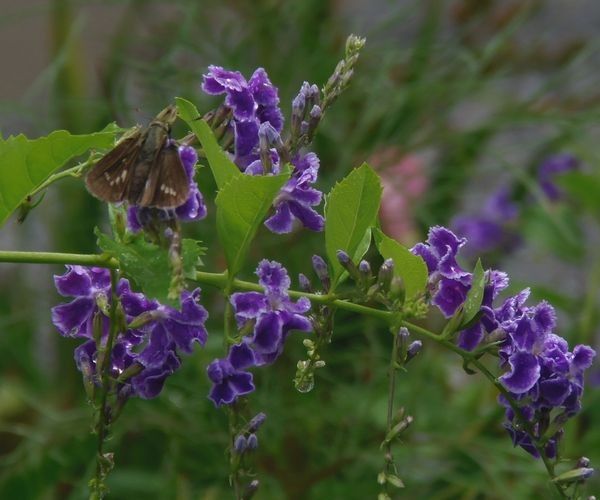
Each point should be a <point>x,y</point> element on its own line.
<point>193,208</point>
<point>257,126</point>
<point>145,353</point>
<point>252,103</point>
<point>271,316</point>
<point>541,373</point>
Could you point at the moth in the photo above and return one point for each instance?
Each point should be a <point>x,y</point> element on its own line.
<point>144,168</point>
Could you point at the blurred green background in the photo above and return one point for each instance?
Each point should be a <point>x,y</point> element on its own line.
<point>467,95</point>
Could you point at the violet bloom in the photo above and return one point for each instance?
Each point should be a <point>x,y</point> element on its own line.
<point>191,210</point>
<point>252,102</point>
<point>542,375</point>
<point>229,378</point>
<point>297,197</point>
<point>88,286</point>
<point>449,281</point>
<point>148,350</point>
<point>257,125</point>
<point>272,316</point>
<point>551,168</point>
<point>272,313</point>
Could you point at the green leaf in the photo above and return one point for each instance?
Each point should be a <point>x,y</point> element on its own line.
<point>192,251</point>
<point>147,264</point>
<point>410,267</point>
<point>351,210</point>
<point>27,163</point>
<point>242,205</point>
<point>472,303</point>
<point>222,167</point>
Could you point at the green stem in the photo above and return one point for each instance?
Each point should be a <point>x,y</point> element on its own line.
<point>390,467</point>
<point>221,280</point>
<point>59,258</point>
<point>69,172</point>
<point>102,463</point>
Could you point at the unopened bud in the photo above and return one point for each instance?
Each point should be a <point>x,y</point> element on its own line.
<point>256,421</point>
<point>264,146</point>
<point>304,128</point>
<point>413,350</point>
<point>252,442</point>
<point>250,489</point>
<point>240,444</point>
<point>386,273</point>
<point>574,475</point>
<point>346,262</point>
<point>583,462</point>
<point>314,119</point>
<point>321,270</point>
<point>354,44</point>
<point>304,282</point>
<point>343,258</point>
<point>298,106</point>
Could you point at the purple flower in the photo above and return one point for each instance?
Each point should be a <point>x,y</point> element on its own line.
<point>148,350</point>
<point>448,280</point>
<point>192,209</point>
<point>541,372</point>
<point>551,168</point>
<point>297,197</point>
<point>271,316</point>
<point>228,376</point>
<point>88,286</point>
<point>258,142</point>
<point>252,102</point>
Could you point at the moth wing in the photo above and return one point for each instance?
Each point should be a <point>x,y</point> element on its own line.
<point>108,179</point>
<point>172,186</point>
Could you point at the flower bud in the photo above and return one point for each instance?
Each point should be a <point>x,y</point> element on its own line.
<point>314,119</point>
<point>265,133</point>
<point>413,350</point>
<point>305,284</point>
<point>252,442</point>
<point>251,489</point>
<point>321,270</point>
<point>583,462</point>
<point>256,421</point>
<point>346,262</point>
<point>298,106</point>
<point>343,257</point>
<point>364,267</point>
<point>386,273</point>
<point>240,444</point>
<point>304,127</point>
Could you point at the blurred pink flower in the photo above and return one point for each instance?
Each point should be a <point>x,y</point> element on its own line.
<point>404,181</point>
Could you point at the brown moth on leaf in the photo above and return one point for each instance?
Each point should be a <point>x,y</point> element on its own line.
<point>143,169</point>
